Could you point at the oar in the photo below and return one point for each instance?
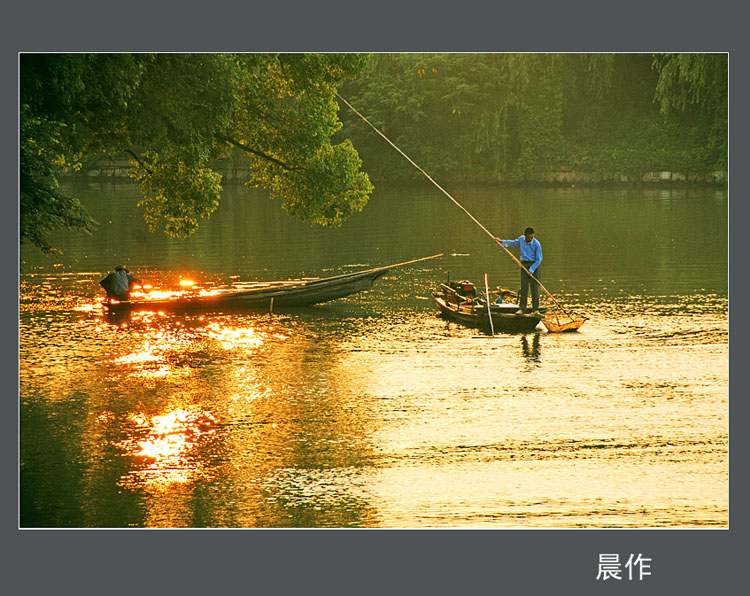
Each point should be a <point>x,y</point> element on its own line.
<point>487,297</point>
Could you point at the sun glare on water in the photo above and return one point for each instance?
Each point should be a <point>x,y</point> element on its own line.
<point>164,446</point>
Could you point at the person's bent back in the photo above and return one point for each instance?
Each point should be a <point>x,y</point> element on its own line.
<point>118,283</point>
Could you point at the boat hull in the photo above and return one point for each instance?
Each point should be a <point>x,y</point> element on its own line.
<point>504,320</point>
<point>277,295</point>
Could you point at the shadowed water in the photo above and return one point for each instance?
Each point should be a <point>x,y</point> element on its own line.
<point>372,411</point>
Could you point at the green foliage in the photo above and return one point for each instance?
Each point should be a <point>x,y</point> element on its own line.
<point>509,116</point>
<point>43,208</point>
<point>331,189</point>
<point>697,85</point>
<point>290,116</point>
<point>174,113</point>
<point>487,114</point>
<point>176,192</point>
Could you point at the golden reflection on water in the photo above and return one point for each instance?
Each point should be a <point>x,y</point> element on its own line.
<point>152,360</point>
<point>230,337</point>
<point>295,436</point>
<point>253,411</point>
<point>163,448</point>
<point>273,421</point>
<point>170,348</point>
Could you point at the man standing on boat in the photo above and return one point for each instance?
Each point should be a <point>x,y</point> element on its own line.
<point>531,258</point>
<point>118,284</point>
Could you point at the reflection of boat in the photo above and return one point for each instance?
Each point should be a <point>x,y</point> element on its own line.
<point>458,302</point>
<point>264,296</point>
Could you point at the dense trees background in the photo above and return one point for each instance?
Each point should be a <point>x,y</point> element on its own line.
<point>504,116</point>
<point>482,117</point>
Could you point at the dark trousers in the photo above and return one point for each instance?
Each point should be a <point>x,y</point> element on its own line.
<point>526,281</point>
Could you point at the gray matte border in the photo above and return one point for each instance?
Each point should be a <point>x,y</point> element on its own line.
<point>430,562</point>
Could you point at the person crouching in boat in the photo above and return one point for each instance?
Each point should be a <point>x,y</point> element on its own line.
<point>118,284</point>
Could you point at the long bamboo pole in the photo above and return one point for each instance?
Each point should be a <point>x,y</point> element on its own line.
<point>414,261</point>
<point>447,194</point>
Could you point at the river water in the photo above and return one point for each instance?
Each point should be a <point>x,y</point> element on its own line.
<point>372,411</point>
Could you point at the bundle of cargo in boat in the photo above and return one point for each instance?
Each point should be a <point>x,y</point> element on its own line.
<point>559,326</point>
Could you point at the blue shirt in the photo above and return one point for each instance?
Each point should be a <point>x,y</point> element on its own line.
<point>530,251</point>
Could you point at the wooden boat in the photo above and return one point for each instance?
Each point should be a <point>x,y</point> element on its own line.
<point>462,306</point>
<point>263,297</point>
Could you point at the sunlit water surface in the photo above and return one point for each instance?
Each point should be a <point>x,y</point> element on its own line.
<point>372,411</point>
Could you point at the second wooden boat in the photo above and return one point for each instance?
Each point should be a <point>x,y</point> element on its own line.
<point>459,304</point>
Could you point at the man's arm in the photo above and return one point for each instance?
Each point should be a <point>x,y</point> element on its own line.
<point>538,260</point>
<point>515,243</point>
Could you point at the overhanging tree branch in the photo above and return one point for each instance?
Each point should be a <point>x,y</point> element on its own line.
<point>247,149</point>
<point>138,160</point>
<point>175,109</point>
